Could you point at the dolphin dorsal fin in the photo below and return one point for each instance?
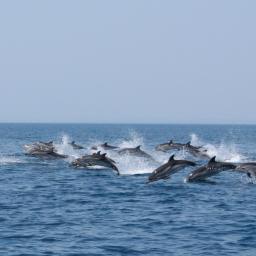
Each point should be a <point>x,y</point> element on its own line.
<point>170,142</point>
<point>104,155</point>
<point>105,144</point>
<point>98,153</point>
<point>212,160</point>
<point>189,143</point>
<point>171,158</point>
<point>138,148</point>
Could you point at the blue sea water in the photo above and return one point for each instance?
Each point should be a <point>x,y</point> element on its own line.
<point>49,208</point>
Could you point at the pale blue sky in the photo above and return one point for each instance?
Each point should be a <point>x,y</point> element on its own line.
<point>128,61</point>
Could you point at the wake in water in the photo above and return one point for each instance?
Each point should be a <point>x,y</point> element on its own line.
<point>6,160</point>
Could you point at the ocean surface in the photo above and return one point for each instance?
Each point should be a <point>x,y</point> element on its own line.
<point>50,208</point>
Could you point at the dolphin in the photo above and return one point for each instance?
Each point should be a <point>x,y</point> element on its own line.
<point>96,159</point>
<point>196,151</point>
<point>49,154</point>
<point>43,150</point>
<point>75,146</point>
<point>39,146</point>
<point>165,147</point>
<point>248,168</point>
<point>210,169</point>
<point>99,155</point>
<point>105,146</point>
<point>166,170</point>
<point>193,150</point>
<point>135,152</point>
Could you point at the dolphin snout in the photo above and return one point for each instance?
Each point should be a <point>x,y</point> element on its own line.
<point>191,177</point>
<point>116,169</point>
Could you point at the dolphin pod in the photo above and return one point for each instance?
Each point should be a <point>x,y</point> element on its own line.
<point>47,150</point>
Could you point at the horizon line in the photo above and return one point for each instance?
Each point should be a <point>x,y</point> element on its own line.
<point>126,123</point>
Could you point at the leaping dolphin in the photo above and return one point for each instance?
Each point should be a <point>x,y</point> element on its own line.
<point>135,152</point>
<point>39,146</point>
<point>248,168</point>
<point>96,159</point>
<point>210,169</point>
<point>165,147</point>
<point>196,151</point>
<point>43,150</point>
<point>75,146</point>
<point>193,150</point>
<point>166,170</point>
<point>105,146</point>
<point>46,154</point>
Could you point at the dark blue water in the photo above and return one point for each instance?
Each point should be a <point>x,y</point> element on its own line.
<point>48,208</point>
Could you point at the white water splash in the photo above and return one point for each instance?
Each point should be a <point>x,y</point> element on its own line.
<point>134,140</point>
<point>247,180</point>
<point>132,165</point>
<point>64,148</point>
<point>227,152</point>
<point>6,160</point>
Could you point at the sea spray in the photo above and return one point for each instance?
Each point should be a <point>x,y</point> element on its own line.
<point>227,152</point>
<point>64,148</point>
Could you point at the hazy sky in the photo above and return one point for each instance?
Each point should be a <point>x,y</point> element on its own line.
<point>128,61</point>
